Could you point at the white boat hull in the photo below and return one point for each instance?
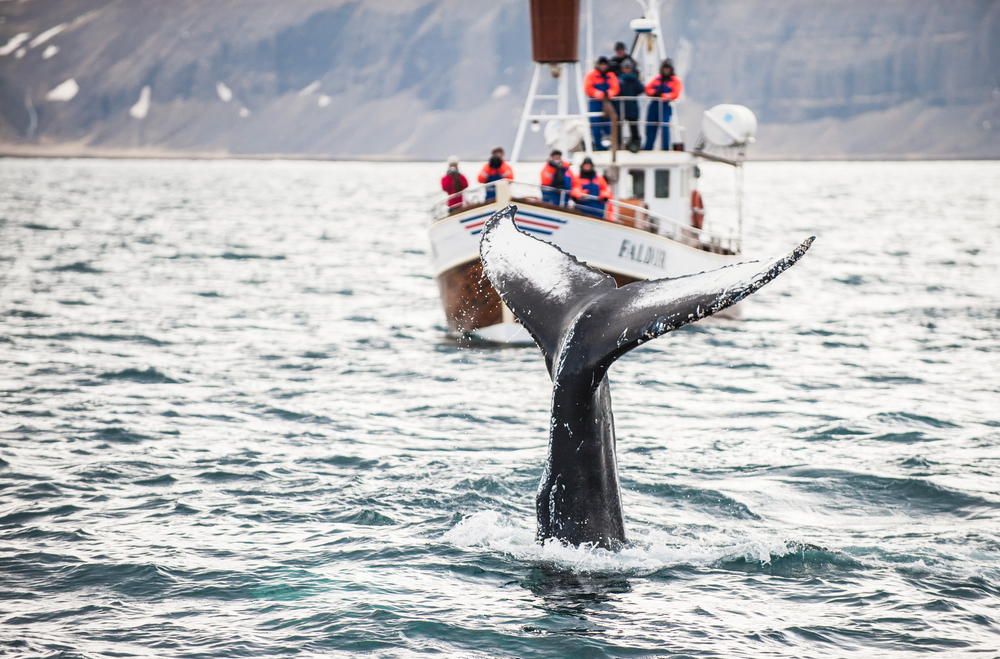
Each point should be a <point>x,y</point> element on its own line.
<point>626,253</point>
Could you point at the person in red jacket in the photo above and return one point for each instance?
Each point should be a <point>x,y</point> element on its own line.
<point>663,88</point>
<point>557,180</point>
<point>599,84</point>
<point>590,190</point>
<point>453,183</point>
<point>494,170</point>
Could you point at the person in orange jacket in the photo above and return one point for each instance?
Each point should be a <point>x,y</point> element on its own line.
<point>557,180</point>
<point>599,84</point>
<point>663,88</point>
<point>494,170</point>
<point>590,190</point>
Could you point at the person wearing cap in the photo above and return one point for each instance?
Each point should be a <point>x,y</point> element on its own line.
<point>494,170</point>
<point>453,183</point>
<point>590,190</point>
<point>599,84</point>
<point>664,88</point>
<point>557,180</point>
<point>615,62</point>
<point>628,110</point>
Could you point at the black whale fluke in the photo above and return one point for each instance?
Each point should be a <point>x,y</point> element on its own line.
<point>582,322</point>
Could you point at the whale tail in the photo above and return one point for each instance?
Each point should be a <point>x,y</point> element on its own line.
<point>574,310</point>
<point>583,322</point>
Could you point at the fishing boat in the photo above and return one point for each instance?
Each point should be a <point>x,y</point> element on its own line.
<point>654,226</point>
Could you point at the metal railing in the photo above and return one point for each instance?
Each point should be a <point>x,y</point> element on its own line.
<point>641,122</point>
<point>612,210</point>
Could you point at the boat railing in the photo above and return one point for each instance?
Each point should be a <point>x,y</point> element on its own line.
<point>618,212</point>
<point>642,121</point>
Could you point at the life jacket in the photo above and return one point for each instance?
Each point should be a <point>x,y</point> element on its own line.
<point>600,85</point>
<point>557,177</point>
<point>669,89</point>
<point>593,185</point>
<point>490,174</point>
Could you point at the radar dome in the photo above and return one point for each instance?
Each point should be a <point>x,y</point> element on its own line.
<point>642,25</point>
<point>729,125</point>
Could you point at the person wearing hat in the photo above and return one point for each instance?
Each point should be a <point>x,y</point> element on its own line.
<point>453,183</point>
<point>494,170</point>
<point>664,88</point>
<point>557,180</point>
<point>615,62</point>
<point>600,84</point>
<point>628,110</point>
<point>590,190</point>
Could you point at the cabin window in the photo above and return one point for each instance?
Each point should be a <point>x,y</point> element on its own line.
<point>638,179</point>
<point>662,189</point>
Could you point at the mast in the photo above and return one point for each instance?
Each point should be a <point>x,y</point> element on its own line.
<point>555,35</point>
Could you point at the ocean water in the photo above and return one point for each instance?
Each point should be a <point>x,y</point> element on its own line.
<point>232,425</point>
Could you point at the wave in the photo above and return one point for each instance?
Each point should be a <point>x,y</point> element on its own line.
<point>148,376</point>
<point>25,313</point>
<point>242,257</point>
<point>69,336</point>
<point>83,267</point>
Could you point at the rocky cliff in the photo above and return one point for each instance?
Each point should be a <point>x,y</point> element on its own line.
<point>419,79</point>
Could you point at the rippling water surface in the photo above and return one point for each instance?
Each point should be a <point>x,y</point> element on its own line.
<point>232,425</point>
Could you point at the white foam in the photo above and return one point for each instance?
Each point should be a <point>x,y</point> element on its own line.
<point>323,100</point>
<point>14,43</point>
<point>63,92</point>
<point>224,92</point>
<point>644,554</point>
<point>310,88</point>
<point>141,107</point>
<point>49,51</point>
<point>500,91</point>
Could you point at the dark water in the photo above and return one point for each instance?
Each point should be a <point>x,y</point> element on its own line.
<point>232,426</point>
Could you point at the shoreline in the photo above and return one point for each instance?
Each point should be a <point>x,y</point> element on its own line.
<point>72,152</point>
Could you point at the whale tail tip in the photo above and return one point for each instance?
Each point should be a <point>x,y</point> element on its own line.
<point>549,290</point>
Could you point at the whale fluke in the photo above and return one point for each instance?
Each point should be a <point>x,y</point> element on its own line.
<point>582,323</point>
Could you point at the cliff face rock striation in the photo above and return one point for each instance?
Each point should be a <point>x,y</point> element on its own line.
<point>419,79</point>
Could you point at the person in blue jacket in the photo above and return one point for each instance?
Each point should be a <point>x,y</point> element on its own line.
<point>590,190</point>
<point>628,111</point>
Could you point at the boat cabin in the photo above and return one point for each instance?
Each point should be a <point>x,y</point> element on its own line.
<point>660,181</point>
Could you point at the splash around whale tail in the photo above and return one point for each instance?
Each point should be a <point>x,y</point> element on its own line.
<point>578,316</point>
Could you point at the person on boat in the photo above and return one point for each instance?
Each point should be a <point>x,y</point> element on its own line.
<point>590,190</point>
<point>494,170</point>
<point>664,88</point>
<point>557,180</point>
<point>615,62</point>
<point>599,84</point>
<point>453,183</point>
<point>628,111</point>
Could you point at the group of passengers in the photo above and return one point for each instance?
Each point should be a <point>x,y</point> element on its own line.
<point>618,77</point>
<point>617,81</point>
<point>588,189</point>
